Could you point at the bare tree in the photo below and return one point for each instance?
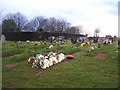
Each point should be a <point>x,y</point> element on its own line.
<point>29,27</point>
<point>39,23</point>
<point>36,24</point>
<point>52,24</point>
<point>18,18</point>
<point>96,32</point>
<point>8,16</point>
<point>80,29</point>
<point>62,25</point>
<point>75,30</point>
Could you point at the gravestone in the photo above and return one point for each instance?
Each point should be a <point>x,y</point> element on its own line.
<point>3,39</point>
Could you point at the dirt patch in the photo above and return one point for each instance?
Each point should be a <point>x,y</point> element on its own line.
<point>115,75</point>
<point>39,74</point>
<point>11,65</point>
<point>101,56</point>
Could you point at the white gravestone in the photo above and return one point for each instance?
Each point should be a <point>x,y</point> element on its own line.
<point>2,38</point>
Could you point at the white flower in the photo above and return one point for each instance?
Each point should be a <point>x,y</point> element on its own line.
<point>61,57</point>
<point>50,60</point>
<point>54,59</point>
<point>92,48</point>
<point>28,41</point>
<point>51,46</point>
<point>42,65</point>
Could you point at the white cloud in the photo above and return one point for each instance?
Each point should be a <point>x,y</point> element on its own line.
<point>90,14</point>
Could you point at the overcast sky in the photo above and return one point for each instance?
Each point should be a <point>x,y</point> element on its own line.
<point>90,14</point>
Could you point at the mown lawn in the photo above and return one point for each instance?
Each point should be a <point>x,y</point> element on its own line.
<point>84,71</point>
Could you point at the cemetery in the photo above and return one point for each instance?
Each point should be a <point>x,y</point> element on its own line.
<point>59,62</point>
<point>59,44</point>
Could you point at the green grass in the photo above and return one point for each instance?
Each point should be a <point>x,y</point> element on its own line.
<point>82,72</point>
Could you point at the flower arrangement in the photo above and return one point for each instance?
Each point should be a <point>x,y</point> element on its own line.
<point>47,60</point>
